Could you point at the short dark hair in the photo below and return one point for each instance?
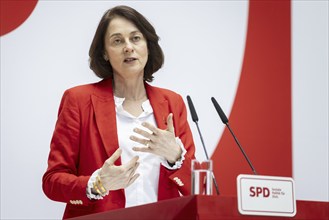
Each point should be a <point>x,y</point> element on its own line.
<point>103,68</point>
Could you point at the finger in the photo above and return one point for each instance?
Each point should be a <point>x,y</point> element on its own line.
<point>131,163</point>
<point>133,170</point>
<point>170,123</point>
<point>146,134</point>
<point>142,149</point>
<point>133,179</point>
<point>139,140</point>
<point>151,127</point>
<point>110,161</point>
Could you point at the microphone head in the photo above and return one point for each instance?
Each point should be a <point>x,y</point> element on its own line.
<point>192,109</point>
<point>219,111</point>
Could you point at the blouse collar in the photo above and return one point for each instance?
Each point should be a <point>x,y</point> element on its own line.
<point>146,105</point>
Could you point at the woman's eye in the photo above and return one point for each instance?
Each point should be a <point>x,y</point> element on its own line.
<point>136,38</point>
<point>116,41</point>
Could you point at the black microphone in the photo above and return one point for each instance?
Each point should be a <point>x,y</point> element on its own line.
<point>192,109</point>
<point>225,121</point>
<point>195,120</point>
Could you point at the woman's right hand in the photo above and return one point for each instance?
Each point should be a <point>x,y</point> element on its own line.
<point>118,177</point>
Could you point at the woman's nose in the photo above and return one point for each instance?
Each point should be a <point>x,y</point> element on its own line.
<point>128,48</point>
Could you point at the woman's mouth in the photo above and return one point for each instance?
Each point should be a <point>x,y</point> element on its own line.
<point>129,59</point>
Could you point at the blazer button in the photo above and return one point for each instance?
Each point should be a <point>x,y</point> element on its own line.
<point>178,181</point>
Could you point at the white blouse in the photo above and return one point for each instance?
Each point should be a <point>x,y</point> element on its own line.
<point>145,188</point>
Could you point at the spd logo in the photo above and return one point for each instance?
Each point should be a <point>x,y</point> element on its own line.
<point>259,192</point>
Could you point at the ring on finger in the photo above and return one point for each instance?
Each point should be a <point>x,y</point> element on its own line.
<point>148,144</point>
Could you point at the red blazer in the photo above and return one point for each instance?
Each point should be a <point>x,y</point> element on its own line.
<point>86,135</point>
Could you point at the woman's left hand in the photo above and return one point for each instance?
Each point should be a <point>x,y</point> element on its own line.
<point>159,142</point>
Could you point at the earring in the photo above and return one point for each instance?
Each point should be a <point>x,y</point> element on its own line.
<point>105,58</point>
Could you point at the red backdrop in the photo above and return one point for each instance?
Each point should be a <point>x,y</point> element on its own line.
<point>14,13</point>
<point>261,113</point>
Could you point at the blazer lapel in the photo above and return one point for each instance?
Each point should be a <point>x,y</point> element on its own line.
<point>104,108</point>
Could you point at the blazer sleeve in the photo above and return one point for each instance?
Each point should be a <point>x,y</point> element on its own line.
<point>182,176</point>
<point>61,181</point>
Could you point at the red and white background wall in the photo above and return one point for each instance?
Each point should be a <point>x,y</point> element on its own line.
<point>266,62</point>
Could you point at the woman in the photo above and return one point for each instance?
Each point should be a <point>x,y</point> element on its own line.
<point>120,142</point>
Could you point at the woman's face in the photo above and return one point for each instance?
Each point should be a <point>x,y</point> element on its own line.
<point>125,48</point>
